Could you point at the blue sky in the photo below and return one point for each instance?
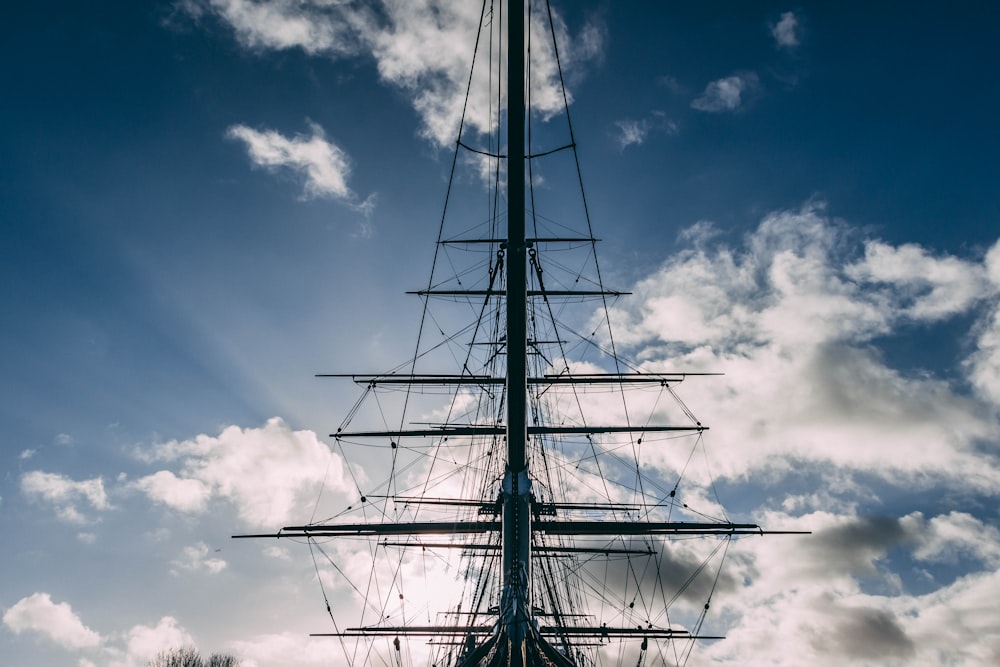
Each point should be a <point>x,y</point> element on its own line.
<point>205,202</point>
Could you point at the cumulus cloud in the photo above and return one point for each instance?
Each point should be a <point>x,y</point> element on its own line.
<point>727,94</point>
<point>270,474</point>
<point>803,603</point>
<point>144,642</point>
<point>786,31</point>
<point>792,317</point>
<point>56,621</point>
<point>65,494</point>
<point>186,495</point>
<point>324,166</point>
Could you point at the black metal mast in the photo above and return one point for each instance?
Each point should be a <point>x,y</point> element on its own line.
<point>516,491</point>
<point>516,487</point>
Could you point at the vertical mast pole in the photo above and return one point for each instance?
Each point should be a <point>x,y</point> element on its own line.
<point>516,514</point>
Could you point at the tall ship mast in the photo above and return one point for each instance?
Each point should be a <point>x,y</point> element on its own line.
<point>515,452</point>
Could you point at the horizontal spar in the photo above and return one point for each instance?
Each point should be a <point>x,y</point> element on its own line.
<point>530,240</point>
<point>500,430</point>
<point>482,630</point>
<point>554,430</point>
<point>577,528</point>
<point>604,631</point>
<point>594,378</point>
<point>424,432</point>
<point>648,528</point>
<point>530,292</point>
<point>373,529</point>
<point>535,550</point>
<point>627,528</point>
<point>411,630</point>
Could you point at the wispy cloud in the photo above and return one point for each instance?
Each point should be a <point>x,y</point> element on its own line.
<point>631,132</point>
<point>671,83</point>
<point>423,47</point>
<point>198,558</point>
<point>727,94</point>
<point>786,31</point>
<point>322,164</point>
<point>64,494</point>
<point>316,26</point>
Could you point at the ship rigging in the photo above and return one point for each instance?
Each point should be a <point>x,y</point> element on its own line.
<point>517,442</point>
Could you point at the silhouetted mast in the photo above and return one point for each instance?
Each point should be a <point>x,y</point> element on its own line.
<point>516,485</point>
<point>522,631</point>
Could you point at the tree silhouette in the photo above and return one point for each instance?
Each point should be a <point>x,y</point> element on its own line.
<point>189,657</point>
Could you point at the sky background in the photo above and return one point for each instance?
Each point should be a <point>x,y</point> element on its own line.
<point>205,202</point>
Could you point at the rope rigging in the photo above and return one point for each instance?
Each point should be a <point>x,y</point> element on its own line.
<point>575,582</point>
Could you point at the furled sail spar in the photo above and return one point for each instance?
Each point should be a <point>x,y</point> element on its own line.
<point>515,435</point>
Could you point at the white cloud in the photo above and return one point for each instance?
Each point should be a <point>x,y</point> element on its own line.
<point>791,318</point>
<point>271,474</point>
<point>727,94</point>
<point>423,47</point>
<point>56,621</point>
<point>315,26</point>
<point>830,598</point>
<point>323,164</point>
<point>983,364</point>
<point>631,132</point>
<point>929,288</point>
<point>283,649</point>
<point>947,538</point>
<point>279,553</point>
<point>65,494</point>
<point>197,558</point>
<point>786,31</point>
<point>186,495</point>
<point>145,642</point>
